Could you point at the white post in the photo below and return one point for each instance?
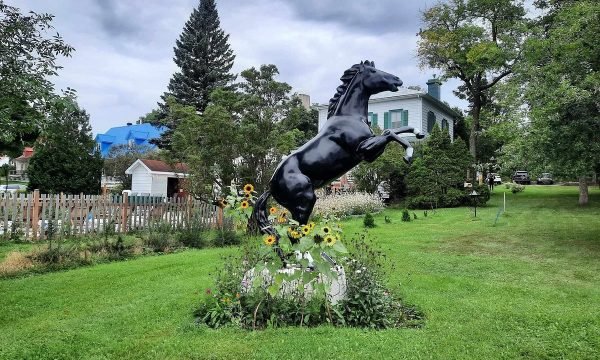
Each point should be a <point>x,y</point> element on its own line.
<point>504,201</point>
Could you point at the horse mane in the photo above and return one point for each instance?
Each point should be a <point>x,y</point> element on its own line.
<point>346,79</point>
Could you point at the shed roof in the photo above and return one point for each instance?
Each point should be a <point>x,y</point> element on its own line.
<point>161,166</point>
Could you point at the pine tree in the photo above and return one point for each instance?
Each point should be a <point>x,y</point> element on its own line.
<point>204,58</point>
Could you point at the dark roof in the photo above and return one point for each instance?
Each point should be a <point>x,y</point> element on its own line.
<point>161,166</point>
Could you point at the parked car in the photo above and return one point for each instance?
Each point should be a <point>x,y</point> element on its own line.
<point>545,179</point>
<point>11,188</point>
<point>497,179</point>
<point>521,177</point>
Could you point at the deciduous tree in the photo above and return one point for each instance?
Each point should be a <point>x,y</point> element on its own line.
<point>27,58</point>
<point>476,41</point>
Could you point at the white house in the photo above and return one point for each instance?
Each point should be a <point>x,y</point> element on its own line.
<point>407,107</point>
<point>156,178</point>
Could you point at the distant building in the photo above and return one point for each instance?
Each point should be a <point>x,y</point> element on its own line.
<point>407,107</point>
<point>138,134</point>
<point>156,178</point>
<point>21,164</point>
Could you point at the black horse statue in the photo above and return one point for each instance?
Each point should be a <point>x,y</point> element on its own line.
<point>344,141</point>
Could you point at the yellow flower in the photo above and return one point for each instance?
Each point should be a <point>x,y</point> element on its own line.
<point>326,230</point>
<point>296,235</point>
<point>244,204</point>
<point>247,195</point>
<point>329,240</point>
<point>305,229</point>
<point>269,240</point>
<point>273,210</point>
<point>311,224</point>
<point>248,188</point>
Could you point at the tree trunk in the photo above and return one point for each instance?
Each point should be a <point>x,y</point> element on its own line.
<point>583,190</point>
<point>475,111</point>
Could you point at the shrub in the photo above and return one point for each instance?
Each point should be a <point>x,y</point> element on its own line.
<point>195,235</point>
<point>347,204</point>
<point>516,188</point>
<point>405,215</point>
<point>160,238</point>
<point>369,221</point>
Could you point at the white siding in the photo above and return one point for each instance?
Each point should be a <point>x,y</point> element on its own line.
<point>322,116</point>
<point>159,184</point>
<point>141,180</point>
<point>412,105</point>
<point>439,115</point>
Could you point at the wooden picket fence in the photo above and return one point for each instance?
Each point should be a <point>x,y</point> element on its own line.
<point>33,216</point>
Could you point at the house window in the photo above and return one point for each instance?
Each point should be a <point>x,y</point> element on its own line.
<point>444,124</point>
<point>373,119</point>
<point>430,121</point>
<point>398,118</point>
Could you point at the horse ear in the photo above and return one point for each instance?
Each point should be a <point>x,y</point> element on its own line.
<point>361,62</point>
<point>373,63</point>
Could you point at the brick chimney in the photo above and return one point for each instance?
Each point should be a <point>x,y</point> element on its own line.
<point>433,87</point>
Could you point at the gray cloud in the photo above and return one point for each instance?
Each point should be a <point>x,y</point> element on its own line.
<point>124,49</point>
<point>376,17</point>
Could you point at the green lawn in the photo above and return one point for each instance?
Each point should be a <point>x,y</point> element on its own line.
<point>528,287</point>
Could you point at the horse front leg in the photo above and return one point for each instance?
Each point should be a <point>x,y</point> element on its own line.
<point>370,149</point>
<point>410,129</point>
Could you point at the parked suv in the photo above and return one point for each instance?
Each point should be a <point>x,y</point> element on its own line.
<point>521,177</point>
<point>545,179</point>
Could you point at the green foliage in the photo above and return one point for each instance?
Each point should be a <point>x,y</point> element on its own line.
<point>515,188</point>
<point>64,159</point>
<point>27,61</point>
<point>561,76</point>
<point>242,134</point>
<point>405,215</point>
<point>476,41</point>
<point>436,178</point>
<point>369,303</point>
<point>204,59</point>
<point>160,238</point>
<point>369,221</point>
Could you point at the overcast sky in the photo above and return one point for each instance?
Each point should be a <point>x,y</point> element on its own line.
<point>123,57</point>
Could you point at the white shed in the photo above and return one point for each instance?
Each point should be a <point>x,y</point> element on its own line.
<point>156,178</point>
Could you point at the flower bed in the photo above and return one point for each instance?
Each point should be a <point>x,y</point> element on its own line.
<point>344,205</point>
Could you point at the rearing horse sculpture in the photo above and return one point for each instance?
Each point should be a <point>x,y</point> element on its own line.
<point>344,141</point>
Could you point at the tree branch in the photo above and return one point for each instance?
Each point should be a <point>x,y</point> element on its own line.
<point>498,78</point>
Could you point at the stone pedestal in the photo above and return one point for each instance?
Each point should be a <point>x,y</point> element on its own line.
<point>336,286</point>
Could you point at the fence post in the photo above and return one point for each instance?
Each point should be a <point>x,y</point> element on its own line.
<point>124,209</point>
<point>219,217</point>
<point>35,213</point>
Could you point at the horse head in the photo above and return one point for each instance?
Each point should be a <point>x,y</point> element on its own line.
<point>375,80</point>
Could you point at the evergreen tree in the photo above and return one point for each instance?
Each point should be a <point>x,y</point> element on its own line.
<point>64,158</point>
<point>204,58</point>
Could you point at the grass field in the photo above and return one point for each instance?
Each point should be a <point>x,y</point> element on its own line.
<point>528,287</point>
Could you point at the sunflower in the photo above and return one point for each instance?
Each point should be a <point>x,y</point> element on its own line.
<point>248,188</point>
<point>311,224</point>
<point>306,229</point>
<point>244,204</point>
<point>273,210</point>
<point>247,195</point>
<point>329,240</point>
<point>269,240</point>
<point>326,230</point>
<point>296,235</point>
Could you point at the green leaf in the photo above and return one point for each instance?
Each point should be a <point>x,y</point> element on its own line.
<point>340,248</point>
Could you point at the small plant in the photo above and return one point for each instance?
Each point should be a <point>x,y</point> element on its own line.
<point>405,215</point>
<point>369,221</point>
<point>414,216</point>
<point>387,220</point>
<point>425,213</point>
<point>516,188</point>
<point>159,238</point>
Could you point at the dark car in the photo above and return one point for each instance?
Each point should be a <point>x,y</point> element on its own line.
<point>545,179</point>
<point>521,177</point>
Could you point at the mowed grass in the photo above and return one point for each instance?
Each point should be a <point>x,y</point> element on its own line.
<point>528,287</point>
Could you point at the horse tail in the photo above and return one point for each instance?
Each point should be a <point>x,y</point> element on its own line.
<point>259,221</point>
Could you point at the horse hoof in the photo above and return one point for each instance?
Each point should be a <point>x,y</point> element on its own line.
<point>407,159</point>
